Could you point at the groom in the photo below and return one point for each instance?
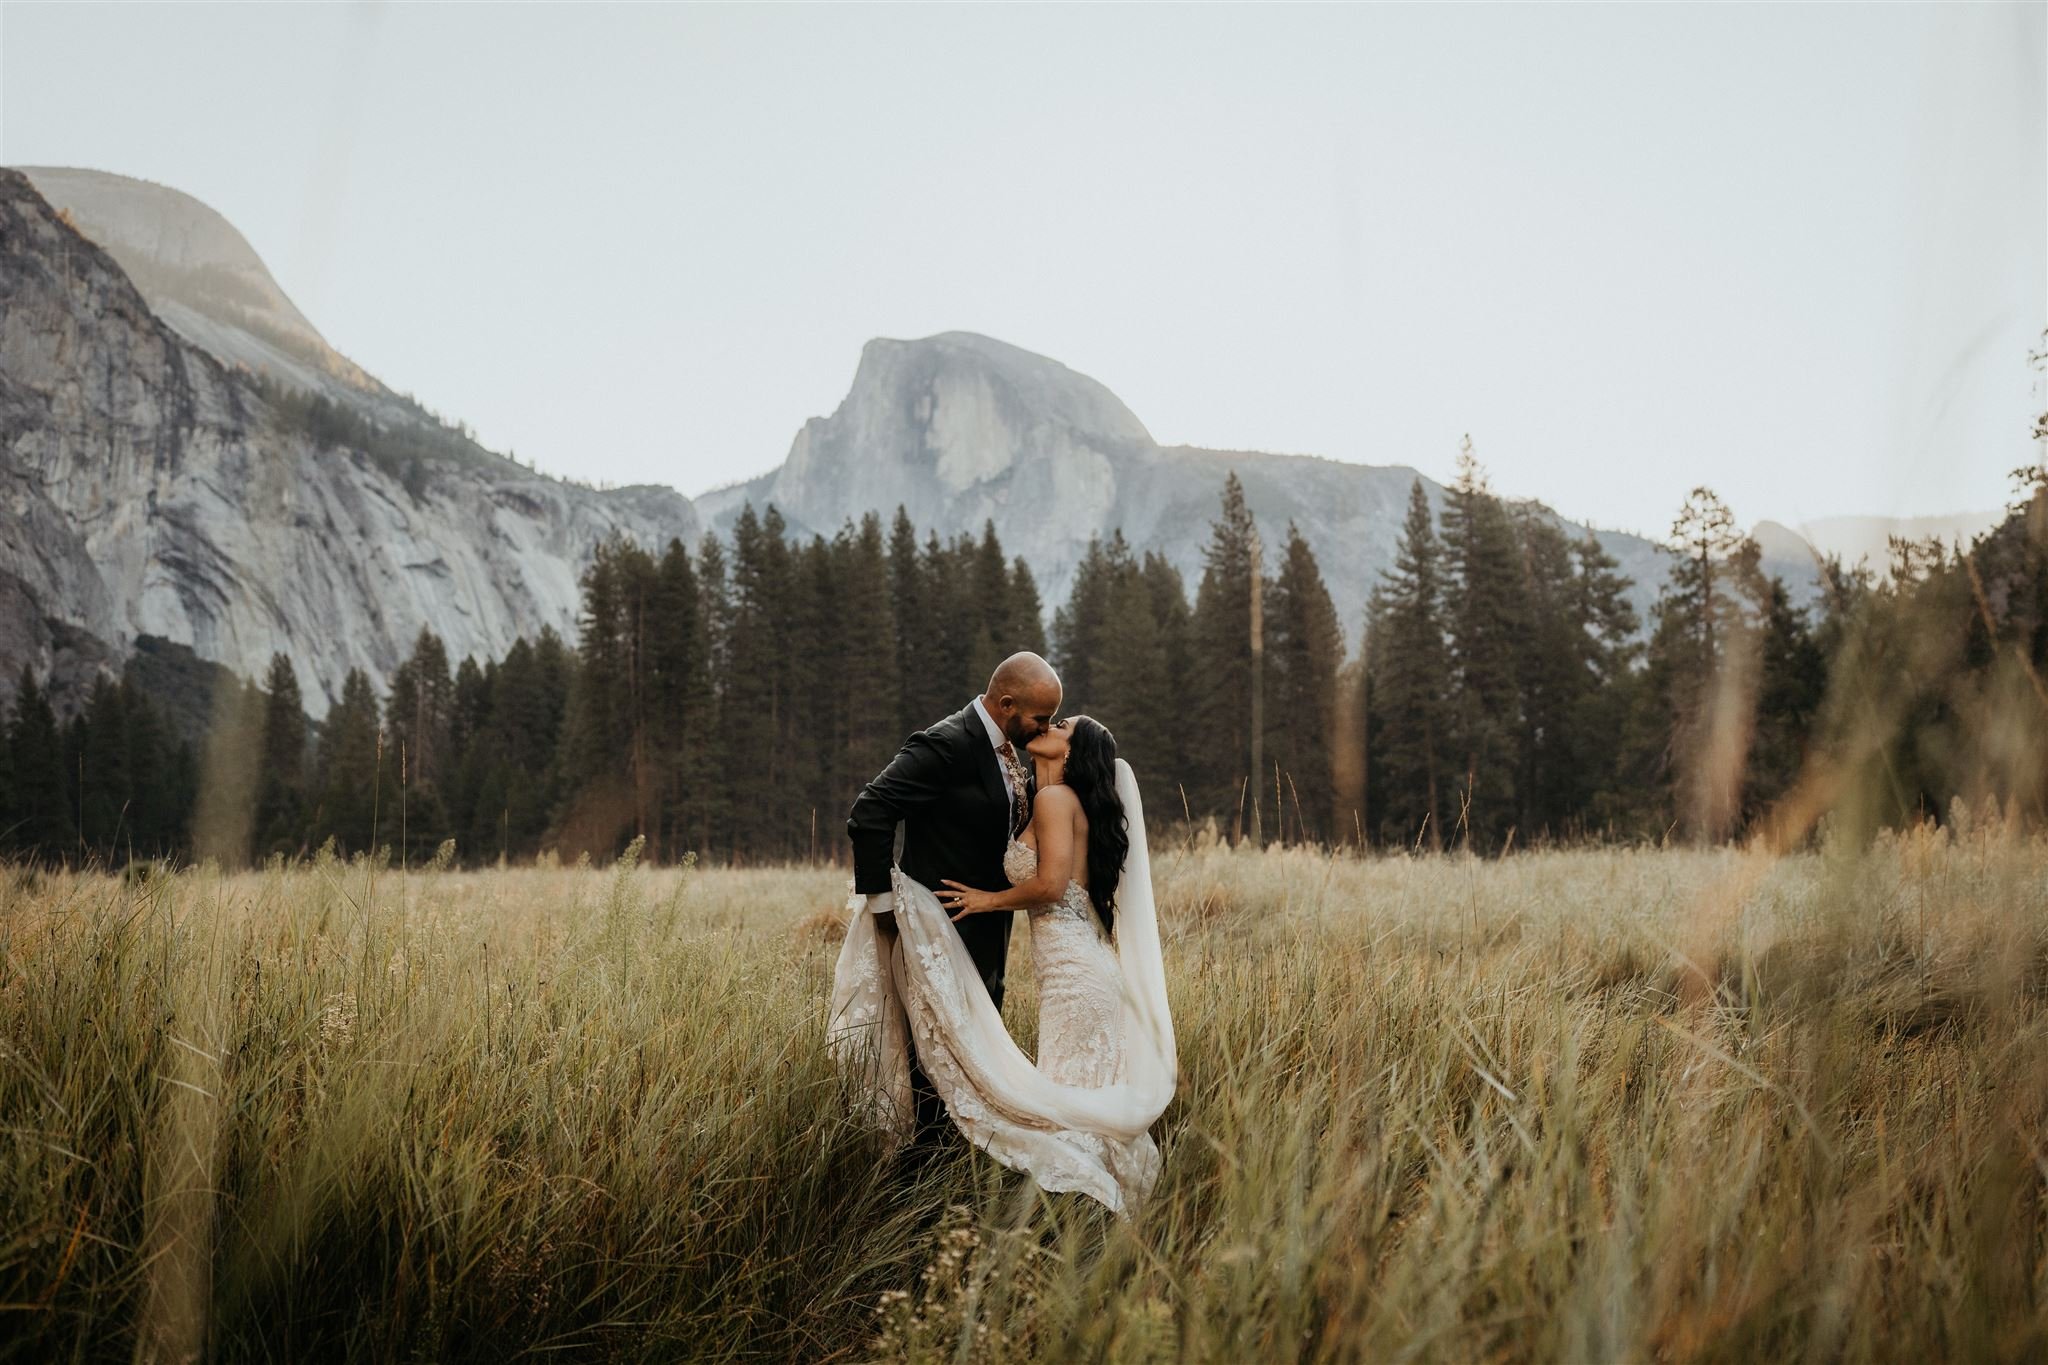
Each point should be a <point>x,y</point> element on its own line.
<point>961,790</point>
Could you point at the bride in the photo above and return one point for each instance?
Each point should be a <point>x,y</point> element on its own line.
<point>1078,1118</point>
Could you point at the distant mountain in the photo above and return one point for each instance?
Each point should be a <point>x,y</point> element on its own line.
<point>958,428</point>
<point>203,278</point>
<point>164,473</point>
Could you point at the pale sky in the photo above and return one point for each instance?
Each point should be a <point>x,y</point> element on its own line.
<point>1799,254</point>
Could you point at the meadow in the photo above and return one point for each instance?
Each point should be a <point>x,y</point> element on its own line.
<point>1673,1105</point>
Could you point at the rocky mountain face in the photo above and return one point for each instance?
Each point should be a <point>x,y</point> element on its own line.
<point>958,428</point>
<point>150,485</point>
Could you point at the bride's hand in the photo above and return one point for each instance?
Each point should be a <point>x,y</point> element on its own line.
<point>964,899</point>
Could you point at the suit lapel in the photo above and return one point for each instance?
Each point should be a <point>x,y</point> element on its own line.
<point>991,768</point>
<point>992,778</point>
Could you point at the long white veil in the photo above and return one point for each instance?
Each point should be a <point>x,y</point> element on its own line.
<point>926,985</point>
<point>1153,1056</point>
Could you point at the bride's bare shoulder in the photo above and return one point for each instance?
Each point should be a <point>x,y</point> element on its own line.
<point>1056,799</point>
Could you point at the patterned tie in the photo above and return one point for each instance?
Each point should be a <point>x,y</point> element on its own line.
<point>1020,810</point>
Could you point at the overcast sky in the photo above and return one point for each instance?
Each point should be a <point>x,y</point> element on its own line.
<point>1794,253</point>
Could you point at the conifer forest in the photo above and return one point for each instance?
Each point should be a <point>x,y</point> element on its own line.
<point>725,701</point>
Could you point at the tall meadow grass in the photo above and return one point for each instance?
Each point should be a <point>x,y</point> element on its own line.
<point>1598,1105</point>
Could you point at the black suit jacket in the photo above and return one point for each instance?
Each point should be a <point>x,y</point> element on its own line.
<point>945,787</point>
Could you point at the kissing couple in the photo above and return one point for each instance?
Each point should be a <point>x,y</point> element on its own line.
<point>1004,808</point>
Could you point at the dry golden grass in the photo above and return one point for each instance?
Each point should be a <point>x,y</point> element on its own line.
<point>1570,1106</point>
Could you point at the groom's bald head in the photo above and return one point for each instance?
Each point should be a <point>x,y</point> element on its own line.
<point>1023,695</point>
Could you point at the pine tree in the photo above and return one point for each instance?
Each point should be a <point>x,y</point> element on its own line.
<point>756,715</point>
<point>1410,710</point>
<point>1552,676</point>
<point>281,767</point>
<point>920,692</point>
<point>104,783</point>
<point>1486,620</point>
<point>606,769</point>
<point>10,808</point>
<point>1227,642</point>
<point>1080,628</point>
<point>155,825</point>
<point>44,827</point>
<point>422,709</point>
<point>864,687</point>
<point>713,809</point>
<point>1024,611</point>
<point>349,759</point>
<point>819,726</point>
<point>1708,652</point>
<point>1121,647</point>
<point>680,655</point>
<point>1705,540</point>
<point>501,758</point>
<point>1167,771</point>
<point>419,724</point>
<point>1129,682</point>
<point>1607,632</point>
<point>1305,650</point>
<point>989,582</point>
<point>594,735</point>
<point>520,791</point>
<point>472,810</point>
<point>1791,687</point>
<point>954,624</point>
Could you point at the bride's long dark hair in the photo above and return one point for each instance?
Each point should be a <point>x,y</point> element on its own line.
<point>1091,773</point>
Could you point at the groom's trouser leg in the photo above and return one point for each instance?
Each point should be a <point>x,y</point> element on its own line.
<point>987,938</point>
<point>988,942</point>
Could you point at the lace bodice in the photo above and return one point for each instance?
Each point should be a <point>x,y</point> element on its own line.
<point>1020,862</point>
<point>1080,1030</point>
<point>1020,865</point>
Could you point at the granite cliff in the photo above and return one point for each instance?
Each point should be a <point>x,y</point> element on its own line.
<point>158,476</point>
<point>958,429</point>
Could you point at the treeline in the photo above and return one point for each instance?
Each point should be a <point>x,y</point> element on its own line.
<point>727,701</point>
<point>1508,693</point>
<point>113,783</point>
<point>1503,692</point>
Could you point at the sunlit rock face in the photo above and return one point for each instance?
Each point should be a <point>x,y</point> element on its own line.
<point>148,487</point>
<point>958,429</point>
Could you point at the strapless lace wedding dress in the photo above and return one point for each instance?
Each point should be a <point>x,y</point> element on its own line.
<point>1080,1021</point>
<point>1080,1014</point>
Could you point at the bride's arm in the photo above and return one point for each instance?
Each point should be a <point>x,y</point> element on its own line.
<point>1052,828</point>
